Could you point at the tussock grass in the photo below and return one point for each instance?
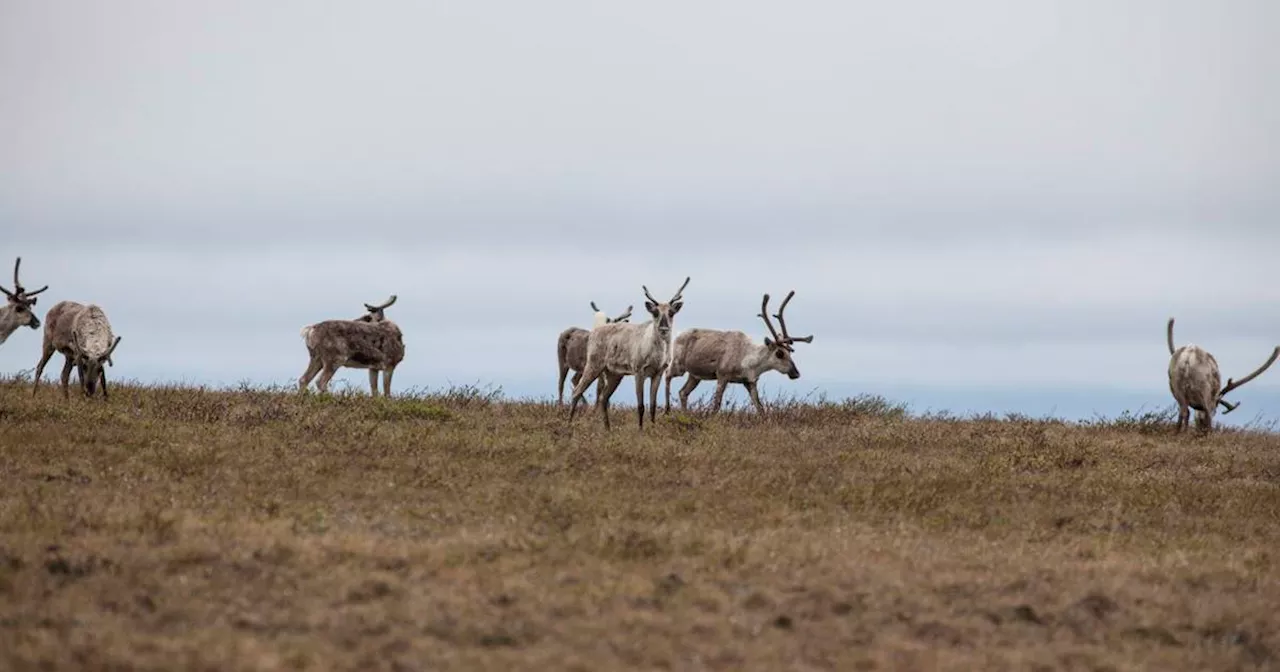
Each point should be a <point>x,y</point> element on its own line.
<point>180,527</point>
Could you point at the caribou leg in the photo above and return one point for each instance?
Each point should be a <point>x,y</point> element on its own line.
<point>1184,417</point>
<point>588,376</point>
<point>44,359</point>
<point>614,382</point>
<point>755,397</point>
<point>313,367</point>
<point>689,386</point>
<point>325,377</point>
<point>653,397</point>
<point>564,373</point>
<point>66,377</point>
<point>721,384</point>
<point>640,397</point>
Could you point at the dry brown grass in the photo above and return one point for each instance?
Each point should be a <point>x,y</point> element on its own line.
<point>178,528</point>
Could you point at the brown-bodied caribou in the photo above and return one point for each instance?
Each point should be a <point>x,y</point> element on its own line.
<point>370,341</point>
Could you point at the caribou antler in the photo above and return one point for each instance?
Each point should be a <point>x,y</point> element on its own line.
<point>19,293</point>
<point>593,307</point>
<point>764,315</point>
<point>110,350</point>
<point>374,309</point>
<point>680,292</point>
<point>783,323</point>
<point>1228,405</point>
<point>623,317</point>
<point>1233,384</point>
<point>17,286</point>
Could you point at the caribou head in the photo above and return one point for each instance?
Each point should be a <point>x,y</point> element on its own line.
<point>374,313</point>
<point>624,317</point>
<point>90,365</point>
<point>663,312</point>
<point>780,346</point>
<point>18,311</point>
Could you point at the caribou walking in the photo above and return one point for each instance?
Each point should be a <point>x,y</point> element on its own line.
<point>731,357</point>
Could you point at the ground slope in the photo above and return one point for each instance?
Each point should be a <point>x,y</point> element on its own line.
<point>180,528</point>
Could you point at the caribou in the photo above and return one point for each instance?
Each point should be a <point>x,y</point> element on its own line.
<point>370,341</point>
<point>731,357</point>
<point>1194,381</point>
<point>83,335</point>
<point>625,349</point>
<point>571,351</point>
<point>17,311</point>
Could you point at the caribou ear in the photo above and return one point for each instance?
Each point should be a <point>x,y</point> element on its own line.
<point>675,307</point>
<point>651,307</point>
<point>769,342</point>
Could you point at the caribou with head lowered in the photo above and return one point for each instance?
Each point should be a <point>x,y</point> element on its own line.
<point>83,335</point>
<point>1195,382</point>
<point>731,357</point>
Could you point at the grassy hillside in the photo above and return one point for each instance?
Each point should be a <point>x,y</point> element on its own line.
<point>180,528</point>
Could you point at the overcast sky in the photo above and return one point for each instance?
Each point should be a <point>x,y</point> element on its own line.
<point>978,203</point>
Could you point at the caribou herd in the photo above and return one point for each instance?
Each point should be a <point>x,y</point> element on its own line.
<point>611,350</point>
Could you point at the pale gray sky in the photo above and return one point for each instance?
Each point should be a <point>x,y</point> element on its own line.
<point>999,198</point>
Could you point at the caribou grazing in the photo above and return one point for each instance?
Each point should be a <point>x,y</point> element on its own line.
<point>731,357</point>
<point>17,311</point>
<point>625,349</point>
<point>1194,381</point>
<point>571,350</point>
<point>83,335</point>
<point>370,341</point>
